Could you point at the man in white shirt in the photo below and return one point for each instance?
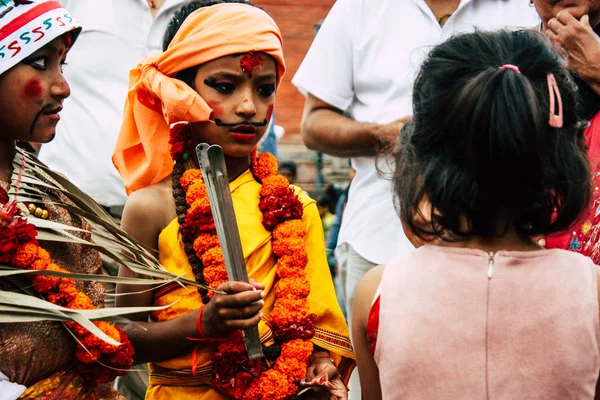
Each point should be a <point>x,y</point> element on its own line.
<point>116,36</point>
<point>364,61</point>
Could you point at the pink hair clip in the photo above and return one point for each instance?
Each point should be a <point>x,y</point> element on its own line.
<point>511,67</point>
<point>556,119</point>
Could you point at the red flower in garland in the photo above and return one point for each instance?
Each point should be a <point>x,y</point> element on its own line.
<point>282,206</point>
<point>179,141</point>
<point>8,246</point>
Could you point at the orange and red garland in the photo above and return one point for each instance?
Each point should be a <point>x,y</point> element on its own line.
<point>97,360</point>
<point>293,326</point>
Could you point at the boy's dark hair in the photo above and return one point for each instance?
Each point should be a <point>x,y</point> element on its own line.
<point>479,148</point>
<point>188,75</point>
<point>289,165</point>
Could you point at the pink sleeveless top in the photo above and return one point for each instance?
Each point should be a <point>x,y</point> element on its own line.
<point>459,324</point>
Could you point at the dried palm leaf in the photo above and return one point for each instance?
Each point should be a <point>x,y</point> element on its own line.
<point>18,307</point>
<point>30,175</point>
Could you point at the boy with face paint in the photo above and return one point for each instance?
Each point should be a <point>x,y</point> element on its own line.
<point>216,83</point>
<point>37,359</point>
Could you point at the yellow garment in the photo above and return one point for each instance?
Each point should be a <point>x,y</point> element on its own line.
<point>156,99</point>
<point>173,379</point>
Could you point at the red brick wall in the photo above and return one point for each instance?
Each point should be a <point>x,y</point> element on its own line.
<point>296,19</point>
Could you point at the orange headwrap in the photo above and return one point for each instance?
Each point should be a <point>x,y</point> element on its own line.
<point>156,100</point>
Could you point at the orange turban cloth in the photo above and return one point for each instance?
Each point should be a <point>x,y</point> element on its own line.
<point>156,99</point>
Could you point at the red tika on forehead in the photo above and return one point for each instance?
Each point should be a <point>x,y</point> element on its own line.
<point>250,62</point>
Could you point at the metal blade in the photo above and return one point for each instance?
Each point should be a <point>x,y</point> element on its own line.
<point>214,172</point>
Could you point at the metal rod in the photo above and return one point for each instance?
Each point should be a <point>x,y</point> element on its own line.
<point>212,163</point>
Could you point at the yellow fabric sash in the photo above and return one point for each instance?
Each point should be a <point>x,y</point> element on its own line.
<point>174,376</point>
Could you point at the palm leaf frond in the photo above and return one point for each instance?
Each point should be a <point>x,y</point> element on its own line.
<point>30,183</point>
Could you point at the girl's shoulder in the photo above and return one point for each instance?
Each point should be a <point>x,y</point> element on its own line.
<point>151,208</point>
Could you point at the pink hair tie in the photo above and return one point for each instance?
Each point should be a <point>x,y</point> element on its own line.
<point>556,110</point>
<point>511,67</point>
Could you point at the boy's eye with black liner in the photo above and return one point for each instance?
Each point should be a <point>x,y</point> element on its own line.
<point>37,62</point>
<point>221,86</point>
<point>266,90</point>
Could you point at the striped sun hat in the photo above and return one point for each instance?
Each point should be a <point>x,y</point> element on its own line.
<point>28,25</point>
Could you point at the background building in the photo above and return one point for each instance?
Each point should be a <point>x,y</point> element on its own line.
<point>298,20</point>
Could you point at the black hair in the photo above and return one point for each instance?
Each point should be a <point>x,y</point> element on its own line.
<point>289,165</point>
<point>329,197</point>
<point>188,75</point>
<point>479,149</point>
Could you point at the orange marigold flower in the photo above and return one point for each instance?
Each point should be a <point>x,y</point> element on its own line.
<point>44,284</point>
<point>204,242</point>
<point>201,206</point>
<point>265,165</point>
<point>287,310</point>
<point>77,329</point>
<point>213,257</point>
<point>216,284</point>
<point>298,348</point>
<point>25,255</point>
<point>81,302</point>
<point>271,184</point>
<point>293,368</point>
<point>66,293</point>
<point>39,265</point>
<point>42,254</point>
<point>90,340</point>
<point>287,247</point>
<point>214,273</point>
<point>196,190</point>
<point>190,176</point>
<point>293,228</point>
<point>272,385</point>
<point>298,259</point>
<point>87,357</point>
<point>285,270</point>
<point>112,332</point>
<point>298,287</point>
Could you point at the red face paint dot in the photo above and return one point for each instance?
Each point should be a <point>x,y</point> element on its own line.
<point>250,62</point>
<point>33,88</point>
<point>269,112</point>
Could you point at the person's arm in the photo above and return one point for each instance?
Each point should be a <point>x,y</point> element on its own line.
<point>581,43</point>
<point>367,368</point>
<point>156,341</point>
<point>326,129</point>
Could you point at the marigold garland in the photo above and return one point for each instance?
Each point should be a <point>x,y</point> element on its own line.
<point>293,326</point>
<point>20,248</point>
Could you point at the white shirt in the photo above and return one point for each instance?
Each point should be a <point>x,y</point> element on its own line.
<point>365,59</point>
<point>117,34</point>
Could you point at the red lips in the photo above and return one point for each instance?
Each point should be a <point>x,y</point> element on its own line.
<point>53,113</point>
<point>244,133</point>
<point>248,129</point>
